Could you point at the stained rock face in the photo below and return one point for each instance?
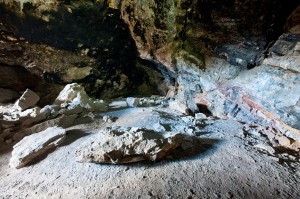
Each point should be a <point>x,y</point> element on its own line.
<point>36,145</point>
<point>120,145</point>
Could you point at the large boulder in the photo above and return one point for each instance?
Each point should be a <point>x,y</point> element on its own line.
<point>36,145</point>
<point>120,145</point>
<point>74,96</point>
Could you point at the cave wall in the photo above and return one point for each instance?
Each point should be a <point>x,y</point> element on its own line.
<point>240,59</point>
<point>76,41</point>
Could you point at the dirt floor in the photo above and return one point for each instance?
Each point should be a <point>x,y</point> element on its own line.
<point>223,164</point>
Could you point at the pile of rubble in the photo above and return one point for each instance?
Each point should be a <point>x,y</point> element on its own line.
<point>25,117</point>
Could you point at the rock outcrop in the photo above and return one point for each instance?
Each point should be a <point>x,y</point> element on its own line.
<point>119,145</point>
<point>36,145</point>
<point>236,59</point>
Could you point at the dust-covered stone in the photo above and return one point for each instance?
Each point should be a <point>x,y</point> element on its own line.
<point>35,145</point>
<point>119,145</point>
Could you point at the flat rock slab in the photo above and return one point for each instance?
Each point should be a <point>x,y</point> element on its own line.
<point>36,145</point>
<point>120,145</point>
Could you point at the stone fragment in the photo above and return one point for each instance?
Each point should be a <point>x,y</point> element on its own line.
<point>63,121</point>
<point>35,145</point>
<point>50,110</point>
<point>120,145</point>
<point>35,117</point>
<point>178,106</point>
<point>70,110</point>
<point>283,141</point>
<point>27,100</point>
<point>265,148</point>
<point>132,102</point>
<point>118,104</point>
<point>200,116</point>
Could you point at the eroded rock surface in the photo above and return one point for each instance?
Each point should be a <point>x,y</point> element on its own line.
<point>36,145</point>
<point>120,145</point>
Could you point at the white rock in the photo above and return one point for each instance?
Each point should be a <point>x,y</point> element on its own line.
<point>35,145</point>
<point>178,106</point>
<point>70,110</point>
<point>34,117</point>
<point>117,104</point>
<point>200,116</point>
<point>132,102</point>
<point>50,110</point>
<point>125,145</point>
<point>74,95</point>
<point>265,148</point>
<point>158,127</point>
<point>63,121</point>
<point>27,100</point>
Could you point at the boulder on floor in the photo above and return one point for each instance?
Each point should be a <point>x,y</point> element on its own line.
<point>27,100</point>
<point>33,146</point>
<point>120,145</point>
<point>74,95</point>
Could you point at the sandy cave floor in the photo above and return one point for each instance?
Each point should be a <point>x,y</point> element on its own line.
<point>224,164</point>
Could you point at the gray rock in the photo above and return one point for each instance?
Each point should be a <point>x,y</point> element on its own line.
<point>70,110</point>
<point>27,100</point>
<point>178,106</point>
<point>200,116</point>
<point>50,110</point>
<point>63,121</point>
<point>117,104</point>
<point>74,95</point>
<point>125,145</point>
<point>265,148</point>
<point>132,102</point>
<point>35,145</point>
<point>35,117</point>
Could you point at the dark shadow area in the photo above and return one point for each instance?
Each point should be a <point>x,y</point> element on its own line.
<point>204,109</point>
<point>97,30</point>
<point>6,148</point>
<point>41,157</point>
<point>72,136</point>
<point>17,78</point>
<point>199,146</point>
